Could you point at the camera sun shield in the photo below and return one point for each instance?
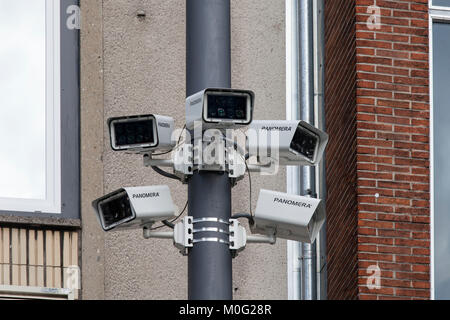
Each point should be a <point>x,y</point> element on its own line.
<point>288,216</point>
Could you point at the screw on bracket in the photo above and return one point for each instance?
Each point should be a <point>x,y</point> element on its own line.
<point>310,193</point>
<point>141,14</point>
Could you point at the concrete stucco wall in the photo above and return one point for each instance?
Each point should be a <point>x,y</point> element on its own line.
<point>92,123</point>
<point>142,70</point>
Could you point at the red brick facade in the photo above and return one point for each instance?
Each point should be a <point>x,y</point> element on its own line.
<point>393,159</point>
<point>340,95</point>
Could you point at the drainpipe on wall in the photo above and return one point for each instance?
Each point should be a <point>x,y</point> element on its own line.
<point>307,113</point>
<point>293,113</point>
<point>319,102</point>
<point>305,101</point>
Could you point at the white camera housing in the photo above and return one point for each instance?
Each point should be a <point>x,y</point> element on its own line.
<point>132,208</point>
<point>288,216</point>
<point>219,109</point>
<point>290,143</point>
<point>142,133</point>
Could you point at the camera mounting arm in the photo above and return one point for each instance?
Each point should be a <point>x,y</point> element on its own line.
<point>148,234</point>
<point>149,161</point>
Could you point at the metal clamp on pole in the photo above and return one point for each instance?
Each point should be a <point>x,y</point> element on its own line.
<point>211,230</point>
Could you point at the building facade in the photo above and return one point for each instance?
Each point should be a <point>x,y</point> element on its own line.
<point>386,109</point>
<point>386,105</point>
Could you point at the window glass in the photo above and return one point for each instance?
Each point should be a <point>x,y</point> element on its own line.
<point>30,156</point>
<point>441,106</point>
<point>22,99</point>
<point>441,3</point>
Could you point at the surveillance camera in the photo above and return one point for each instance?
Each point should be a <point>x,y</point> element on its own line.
<point>288,216</point>
<point>132,208</point>
<point>288,142</point>
<point>141,134</point>
<point>219,108</point>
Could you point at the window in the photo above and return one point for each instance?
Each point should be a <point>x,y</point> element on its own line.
<point>441,3</point>
<point>440,68</point>
<point>39,95</point>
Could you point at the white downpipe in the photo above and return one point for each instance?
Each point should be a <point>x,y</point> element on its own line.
<point>299,106</point>
<point>293,113</point>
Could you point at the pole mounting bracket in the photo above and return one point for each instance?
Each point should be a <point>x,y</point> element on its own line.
<point>238,236</point>
<point>183,235</point>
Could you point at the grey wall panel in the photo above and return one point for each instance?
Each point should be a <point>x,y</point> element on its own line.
<point>70,115</point>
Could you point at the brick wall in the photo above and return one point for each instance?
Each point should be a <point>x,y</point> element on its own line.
<point>340,94</point>
<point>393,149</point>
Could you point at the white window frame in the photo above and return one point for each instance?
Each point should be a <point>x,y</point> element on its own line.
<point>52,202</point>
<point>437,13</point>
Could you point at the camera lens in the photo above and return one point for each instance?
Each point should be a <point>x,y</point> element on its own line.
<point>131,139</point>
<point>240,114</point>
<point>230,113</point>
<point>121,140</point>
<point>221,112</point>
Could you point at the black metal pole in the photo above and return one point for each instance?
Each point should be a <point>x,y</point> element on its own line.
<point>208,62</point>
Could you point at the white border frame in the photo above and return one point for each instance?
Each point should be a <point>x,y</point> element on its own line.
<point>436,14</point>
<point>52,203</point>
